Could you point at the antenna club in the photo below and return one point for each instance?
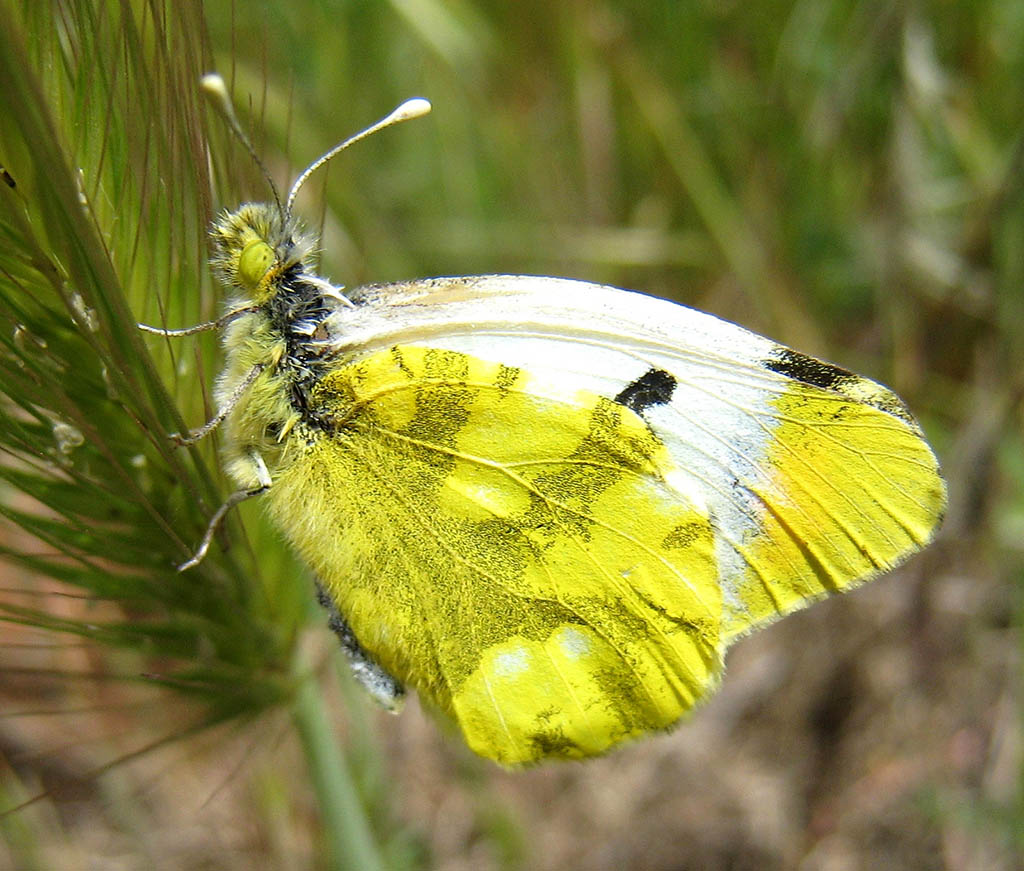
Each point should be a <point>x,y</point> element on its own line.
<point>213,85</point>
<point>416,107</point>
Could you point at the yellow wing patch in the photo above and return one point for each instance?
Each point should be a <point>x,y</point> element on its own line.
<point>849,490</point>
<point>515,555</point>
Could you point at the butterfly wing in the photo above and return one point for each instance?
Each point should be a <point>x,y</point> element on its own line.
<point>555,503</point>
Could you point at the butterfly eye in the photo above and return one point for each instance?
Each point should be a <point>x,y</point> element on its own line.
<point>257,257</point>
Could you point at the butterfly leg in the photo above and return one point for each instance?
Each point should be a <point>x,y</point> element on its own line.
<point>182,440</point>
<point>263,484</point>
<point>383,687</point>
<point>198,328</point>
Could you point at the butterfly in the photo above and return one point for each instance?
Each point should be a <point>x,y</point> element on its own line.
<point>546,505</point>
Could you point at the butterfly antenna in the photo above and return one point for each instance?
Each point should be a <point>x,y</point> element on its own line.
<point>414,108</point>
<point>214,88</point>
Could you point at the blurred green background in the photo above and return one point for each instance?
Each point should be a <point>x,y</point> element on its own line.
<point>842,176</point>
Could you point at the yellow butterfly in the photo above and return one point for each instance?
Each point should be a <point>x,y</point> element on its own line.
<point>548,506</point>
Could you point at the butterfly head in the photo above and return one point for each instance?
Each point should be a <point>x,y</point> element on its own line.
<point>254,245</point>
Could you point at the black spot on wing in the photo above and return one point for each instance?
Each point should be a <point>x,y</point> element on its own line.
<point>684,535</point>
<point>817,373</point>
<point>654,387</point>
<point>799,366</point>
<point>553,744</point>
